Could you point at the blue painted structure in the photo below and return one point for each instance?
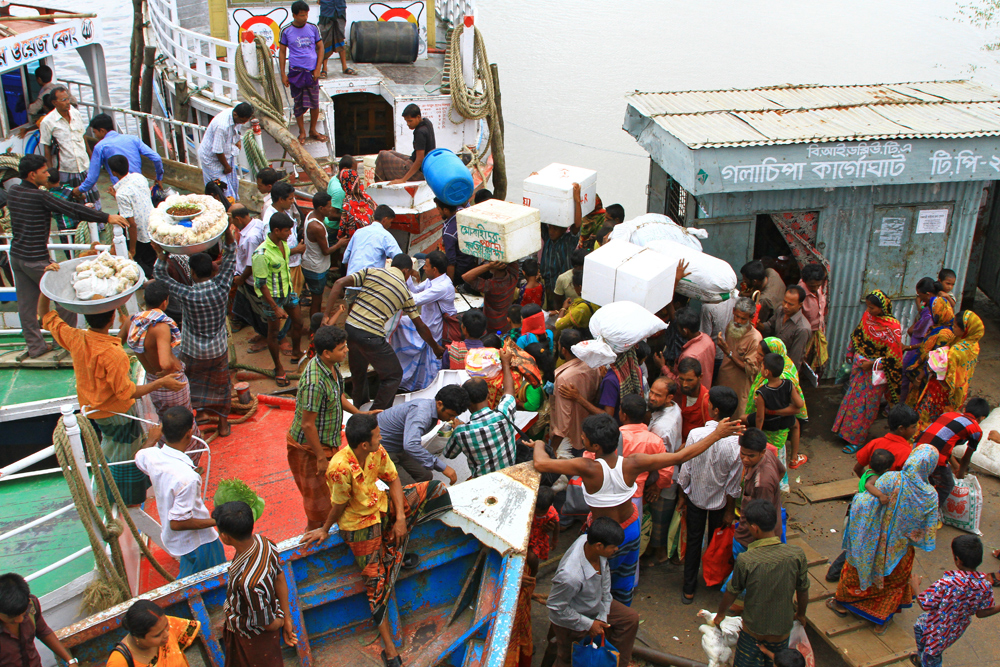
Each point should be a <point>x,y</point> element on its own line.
<point>455,608</point>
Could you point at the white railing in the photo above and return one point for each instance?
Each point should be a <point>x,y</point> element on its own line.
<point>121,248</point>
<point>193,55</point>
<point>9,473</point>
<point>453,11</point>
<point>163,132</point>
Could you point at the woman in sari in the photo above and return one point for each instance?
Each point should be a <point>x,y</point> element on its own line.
<point>880,541</point>
<point>949,394</point>
<point>876,338</point>
<point>358,206</point>
<point>773,345</point>
<point>153,638</point>
<point>935,317</point>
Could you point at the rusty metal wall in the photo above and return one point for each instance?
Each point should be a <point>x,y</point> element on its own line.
<point>988,278</point>
<point>846,216</point>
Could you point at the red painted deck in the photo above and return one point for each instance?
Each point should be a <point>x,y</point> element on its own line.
<point>256,453</point>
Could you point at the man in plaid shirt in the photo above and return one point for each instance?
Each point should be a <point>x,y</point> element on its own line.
<point>488,439</point>
<point>204,348</point>
<point>947,432</point>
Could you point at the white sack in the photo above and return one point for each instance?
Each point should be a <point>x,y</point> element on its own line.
<point>964,507</point>
<point>594,353</point>
<point>711,279</point>
<point>654,226</point>
<point>622,324</point>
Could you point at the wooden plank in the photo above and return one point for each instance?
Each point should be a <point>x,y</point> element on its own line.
<point>813,557</point>
<point>854,626</point>
<point>844,488</point>
<point>889,659</point>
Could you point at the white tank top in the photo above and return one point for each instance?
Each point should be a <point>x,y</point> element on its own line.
<point>614,491</point>
<point>313,259</point>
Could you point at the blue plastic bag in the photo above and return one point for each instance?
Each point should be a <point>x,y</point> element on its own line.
<point>588,653</point>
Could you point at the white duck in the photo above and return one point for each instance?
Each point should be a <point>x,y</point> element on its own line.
<point>719,642</point>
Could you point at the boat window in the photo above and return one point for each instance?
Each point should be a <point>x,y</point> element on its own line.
<point>362,124</point>
<point>13,97</point>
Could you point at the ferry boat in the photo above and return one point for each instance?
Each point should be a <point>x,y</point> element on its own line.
<point>194,78</point>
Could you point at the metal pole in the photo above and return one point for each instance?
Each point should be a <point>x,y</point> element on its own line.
<point>26,461</point>
<point>95,232</point>
<point>660,658</point>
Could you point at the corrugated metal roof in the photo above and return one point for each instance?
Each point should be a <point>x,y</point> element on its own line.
<point>800,114</point>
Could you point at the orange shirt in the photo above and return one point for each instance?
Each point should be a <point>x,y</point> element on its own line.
<point>100,364</point>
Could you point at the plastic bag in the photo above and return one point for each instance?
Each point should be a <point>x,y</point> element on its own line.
<point>799,641</point>
<point>843,373</point>
<point>645,530</point>
<point>711,279</point>
<point>878,375</point>
<point>677,535</point>
<point>594,353</point>
<point>622,324</point>
<point>964,507</point>
<point>588,653</point>
<point>656,226</point>
<point>717,561</point>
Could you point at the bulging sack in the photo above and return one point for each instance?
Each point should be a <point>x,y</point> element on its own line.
<point>622,324</point>
<point>711,279</point>
<point>655,226</point>
<point>964,507</point>
<point>987,456</point>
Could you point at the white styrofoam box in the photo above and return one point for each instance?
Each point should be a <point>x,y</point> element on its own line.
<point>551,192</point>
<point>622,271</point>
<point>499,231</point>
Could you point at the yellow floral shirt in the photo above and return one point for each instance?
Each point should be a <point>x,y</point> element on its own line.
<point>355,487</point>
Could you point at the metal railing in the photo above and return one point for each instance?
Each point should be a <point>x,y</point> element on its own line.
<point>163,132</point>
<point>11,472</point>
<point>453,11</point>
<point>193,54</point>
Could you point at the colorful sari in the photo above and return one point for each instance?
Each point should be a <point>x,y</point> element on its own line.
<point>874,338</point>
<point>182,634</point>
<point>777,346</point>
<point>880,540</point>
<point>950,394</point>
<point>358,206</point>
<point>931,331</point>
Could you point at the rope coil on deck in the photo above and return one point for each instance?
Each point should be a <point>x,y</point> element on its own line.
<point>271,103</point>
<point>111,586</point>
<point>479,102</point>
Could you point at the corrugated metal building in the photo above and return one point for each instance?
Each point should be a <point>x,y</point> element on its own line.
<point>893,182</point>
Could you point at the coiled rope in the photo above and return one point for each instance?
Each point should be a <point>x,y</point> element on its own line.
<point>271,103</point>
<point>477,102</point>
<point>111,586</point>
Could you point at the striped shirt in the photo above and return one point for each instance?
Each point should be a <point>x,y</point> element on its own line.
<point>204,307</point>
<point>709,479</point>
<point>770,572</point>
<point>31,213</point>
<point>251,602</point>
<point>270,268</point>
<point>487,440</point>
<point>383,294</point>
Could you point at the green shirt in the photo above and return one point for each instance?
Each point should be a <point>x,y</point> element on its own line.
<point>336,192</point>
<point>869,473</point>
<point>320,391</point>
<point>270,267</point>
<point>771,573</point>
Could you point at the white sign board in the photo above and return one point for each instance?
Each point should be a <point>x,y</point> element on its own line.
<point>932,221</point>
<point>44,42</point>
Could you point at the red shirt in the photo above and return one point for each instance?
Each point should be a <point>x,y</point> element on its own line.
<point>950,429</point>
<point>637,439</point>
<point>899,447</point>
<point>694,416</point>
<point>541,533</point>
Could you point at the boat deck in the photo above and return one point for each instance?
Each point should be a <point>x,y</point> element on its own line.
<point>421,78</point>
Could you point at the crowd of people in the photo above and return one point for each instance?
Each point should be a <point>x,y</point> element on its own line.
<point>696,426</point>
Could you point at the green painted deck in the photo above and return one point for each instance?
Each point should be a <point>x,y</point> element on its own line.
<point>27,499</point>
<point>24,384</point>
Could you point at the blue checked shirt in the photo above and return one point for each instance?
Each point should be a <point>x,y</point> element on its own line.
<point>487,440</point>
<point>204,306</point>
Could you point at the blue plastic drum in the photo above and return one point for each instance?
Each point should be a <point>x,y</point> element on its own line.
<point>449,179</point>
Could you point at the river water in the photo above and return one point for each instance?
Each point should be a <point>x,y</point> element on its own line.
<point>566,66</point>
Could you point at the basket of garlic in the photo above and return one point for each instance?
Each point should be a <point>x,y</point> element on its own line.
<point>89,285</point>
<point>179,235</point>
